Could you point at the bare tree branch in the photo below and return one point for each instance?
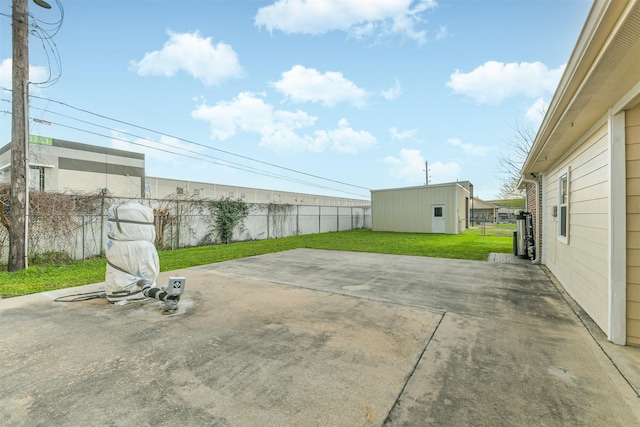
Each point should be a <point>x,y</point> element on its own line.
<point>511,159</point>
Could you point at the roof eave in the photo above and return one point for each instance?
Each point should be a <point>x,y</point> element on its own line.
<point>582,93</point>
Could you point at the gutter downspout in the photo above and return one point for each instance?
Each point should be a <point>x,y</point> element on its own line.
<point>536,260</point>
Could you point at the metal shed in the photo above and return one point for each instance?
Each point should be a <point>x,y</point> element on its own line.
<point>438,208</point>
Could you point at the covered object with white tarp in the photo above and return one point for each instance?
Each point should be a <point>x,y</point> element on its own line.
<point>131,253</point>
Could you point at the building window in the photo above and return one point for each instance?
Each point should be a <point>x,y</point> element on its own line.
<point>36,178</point>
<point>437,211</point>
<point>196,191</point>
<point>563,206</point>
<point>179,190</point>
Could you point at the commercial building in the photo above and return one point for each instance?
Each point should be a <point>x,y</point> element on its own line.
<point>64,166</point>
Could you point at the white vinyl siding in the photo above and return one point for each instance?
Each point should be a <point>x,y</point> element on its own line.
<point>632,137</point>
<point>582,265</point>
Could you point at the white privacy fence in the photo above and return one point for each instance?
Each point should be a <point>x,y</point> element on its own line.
<point>179,224</point>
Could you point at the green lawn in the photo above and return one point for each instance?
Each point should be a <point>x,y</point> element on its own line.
<point>475,244</point>
<point>489,229</point>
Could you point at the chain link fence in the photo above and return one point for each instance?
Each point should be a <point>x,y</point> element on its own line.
<point>179,224</point>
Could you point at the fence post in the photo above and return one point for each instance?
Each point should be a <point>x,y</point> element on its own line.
<point>171,233</point>
<point>319,219</point>
<point>83,233</point>
<point>297,219</point>
<point>102,225</point>
<point>268,222</point>
<point>338,218</point>
<point>178,214</point>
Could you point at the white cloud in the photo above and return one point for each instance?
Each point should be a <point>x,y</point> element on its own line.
<point>160,151</point>
<point>402,135</point>
<point>393,92</point>
<point>344,139</point>
<point>301,84</point>
<point>469,149</point>
<point>442,33</point>
<point>360,18</point>
<point>492,82</point>
<point>444,172</point>
<point>279,129</point>
<point>37,75</point>
<point>193,54</point>
<point>248,113</point>
<point>408,166</point>
<point>536,112</point>
<point>6,73</point>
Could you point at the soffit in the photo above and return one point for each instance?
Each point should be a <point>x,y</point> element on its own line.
<point>607,69</point>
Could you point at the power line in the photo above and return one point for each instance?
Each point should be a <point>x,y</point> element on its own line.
<point>200,144</point>
<point>214,160</point>
<point>221,162</point>
<point>45,31</point>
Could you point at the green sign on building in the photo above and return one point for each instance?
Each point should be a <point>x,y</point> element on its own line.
<point>42,140</point>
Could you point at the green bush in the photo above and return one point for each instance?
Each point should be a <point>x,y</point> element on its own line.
<point>51,258</point>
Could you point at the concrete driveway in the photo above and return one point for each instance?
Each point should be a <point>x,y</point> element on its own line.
<point>319,338</point>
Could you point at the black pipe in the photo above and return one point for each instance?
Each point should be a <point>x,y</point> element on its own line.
<point>171,301</point>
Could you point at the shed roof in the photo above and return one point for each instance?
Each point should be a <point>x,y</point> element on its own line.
<point>446,184</point>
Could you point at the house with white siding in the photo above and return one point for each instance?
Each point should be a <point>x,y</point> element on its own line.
<point>583,173</point>
<point>436,208</point>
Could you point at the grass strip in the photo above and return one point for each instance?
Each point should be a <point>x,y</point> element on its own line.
<point>470,245</point>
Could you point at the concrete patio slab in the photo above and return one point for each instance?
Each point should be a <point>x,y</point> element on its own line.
<point>316,338</point>
<point>239,352</point>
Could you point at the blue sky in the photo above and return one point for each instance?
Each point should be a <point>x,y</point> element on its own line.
<point>251,93</point>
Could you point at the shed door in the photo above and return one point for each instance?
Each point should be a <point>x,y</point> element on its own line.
<point>438,219</point>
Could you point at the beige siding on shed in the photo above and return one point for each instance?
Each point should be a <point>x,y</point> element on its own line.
<point>461,212</point>
<point>410,209</point>
<point>402,210</point>
<point>582,264</point>
<point>632,137</point>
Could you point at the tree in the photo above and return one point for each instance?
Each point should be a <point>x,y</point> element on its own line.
<point>511,159</point>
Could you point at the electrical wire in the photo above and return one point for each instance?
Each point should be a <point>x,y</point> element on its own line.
<point>226,163</point>
<point>45,31</point>
<point>199,144</point>
<point>86,296</point>
<point>223,163</point>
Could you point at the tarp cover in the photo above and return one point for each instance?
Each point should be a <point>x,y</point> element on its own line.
<point>131,222</point>
<point>131,254</point>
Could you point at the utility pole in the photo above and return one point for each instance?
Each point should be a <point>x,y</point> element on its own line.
<point>19,138</point>
<point>426,172</point>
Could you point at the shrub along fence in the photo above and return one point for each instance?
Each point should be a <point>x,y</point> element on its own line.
<point>80,233</point>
